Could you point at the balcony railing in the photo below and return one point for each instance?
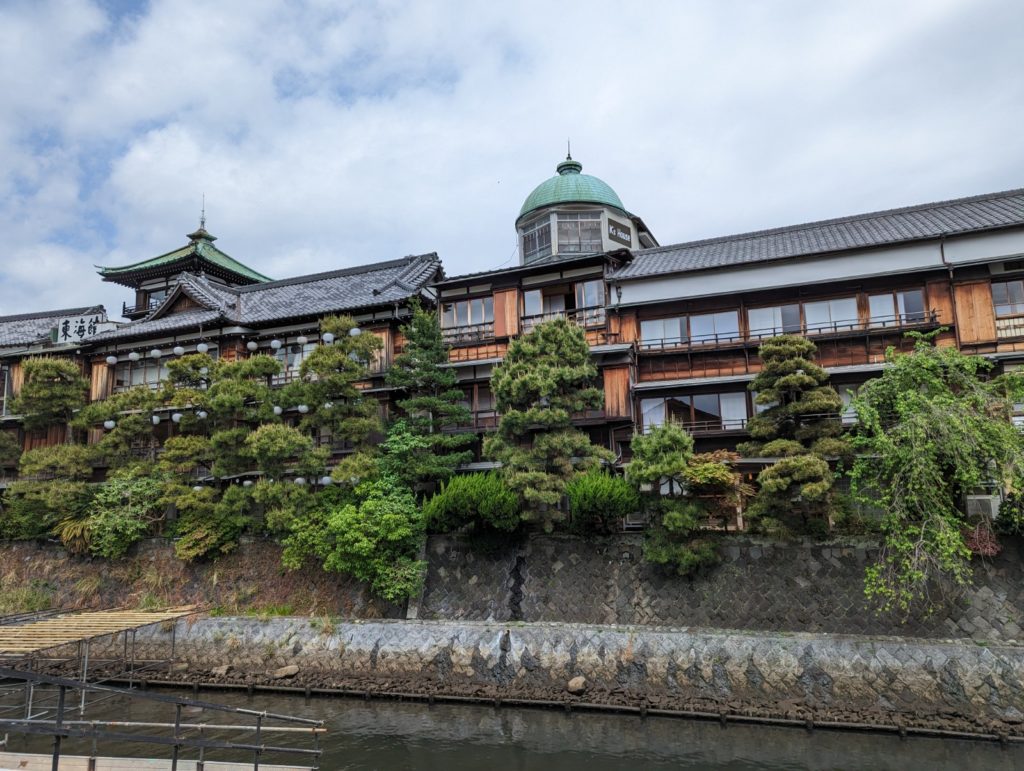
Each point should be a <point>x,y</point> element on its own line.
<point>481,420</point>
<point>587,318</point>
<point>131,310</point>
<point>877,324</point>
<point>470,333</point>
<point>729,425</point>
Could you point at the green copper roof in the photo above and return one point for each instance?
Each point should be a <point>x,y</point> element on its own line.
<point>201,247</point>
<point>570,186</point>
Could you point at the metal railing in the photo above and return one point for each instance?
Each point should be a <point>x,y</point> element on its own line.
<point>128,310</point>
<point>880,324</point>
<point>588,318</point>
<point>470,333</point>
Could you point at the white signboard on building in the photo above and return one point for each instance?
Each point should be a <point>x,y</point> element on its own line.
<point>75,329</point>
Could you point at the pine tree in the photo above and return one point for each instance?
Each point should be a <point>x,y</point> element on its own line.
<point>800,427</point>
<point>432,403</point>
<point>547,376</point>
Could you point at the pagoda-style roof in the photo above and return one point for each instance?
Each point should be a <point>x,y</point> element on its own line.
<point>199,256</point>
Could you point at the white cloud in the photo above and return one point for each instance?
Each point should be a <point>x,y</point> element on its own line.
<point>326,136</point>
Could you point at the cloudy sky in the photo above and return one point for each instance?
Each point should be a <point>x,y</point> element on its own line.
<point>327,134</point>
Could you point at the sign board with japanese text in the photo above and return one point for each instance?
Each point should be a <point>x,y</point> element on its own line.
<point>75,329</point>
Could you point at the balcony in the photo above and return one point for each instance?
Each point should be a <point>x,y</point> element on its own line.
<point>832,329</point>
<point>722,426</point>
<point>588,318</point>
<point>128,311</point>
<point>482,420</point>
<point>469,334</point>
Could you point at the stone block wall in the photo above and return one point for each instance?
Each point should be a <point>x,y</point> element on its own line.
<point>759,585</point>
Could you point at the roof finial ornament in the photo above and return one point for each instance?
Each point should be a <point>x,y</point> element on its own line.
<point>202,215</point>
<point>568,149</point>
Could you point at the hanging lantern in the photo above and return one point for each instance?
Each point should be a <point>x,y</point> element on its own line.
<point>328,405</point>
<point>202,348</point>
<point>252,345</point>
<point>301,340</point>
<point>204,370</point>
<point>110,425</point>
<point>247,483</point>
<point>275,344</point>
<point>355,332</point>
<point>327,337</point>
<point>202,415</point>
<point>111,361</point>
<point>198,488</point>
<point>155,420</point>
<point>134,356</point>
<point>277,410</point>
<point>303,408</point>
<point>178,350</point>
<point>300,480</point>
<point>156,353</point>
<point>176,417</point>
<point>326,481</point>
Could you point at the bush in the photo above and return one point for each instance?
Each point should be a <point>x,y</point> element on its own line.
<point>598,501</point>
<point>479,501</point>
<point>1011,515</point>
<point>122,511</point>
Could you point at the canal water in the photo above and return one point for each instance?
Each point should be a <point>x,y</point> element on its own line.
<point>404,735</point>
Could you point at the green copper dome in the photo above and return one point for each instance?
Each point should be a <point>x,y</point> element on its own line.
<point>570,186</point>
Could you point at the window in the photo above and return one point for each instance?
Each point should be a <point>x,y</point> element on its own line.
<point>698,412</point>
<point>144,372</point>
<point>775,320</point>
<point>590,298</point>
<point>663,333</point>
<point>579,232</point>
<point>544,302</point>
<point>537,240</point>
<point>291,354</point>
<point>715,327</point>
<point>1008,297</point>
<point>831,315</point>
<point>465,313</point>
<point>848,415</point>
<point>896,308</point>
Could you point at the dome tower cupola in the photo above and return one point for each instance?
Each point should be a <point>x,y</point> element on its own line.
<point>574,213</point>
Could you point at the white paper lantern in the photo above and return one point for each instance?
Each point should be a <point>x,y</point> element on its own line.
<point>204,370</point>
<point>355,332</point>
<point>155,420</point>
<point>202,348</point>
<point>277,410</point>
<point>178,350</point>
<point>303,408</point>
<point>156,353</point>
<point>134,356</point>
<point>327,337</point>
<point>198,488</point>
<point>301,340</point>
<point>176,417</point>
<point>202,415</point>
<point>275,344</point>
<point>247,483</point>
<point>326,481</point>
<point>111,360</point>
<point>252,345</point>
<point>300,480</point>
<point>110,425</point>
<point>328,405</point>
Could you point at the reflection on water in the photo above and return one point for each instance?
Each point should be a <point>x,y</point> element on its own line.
<point>390,735</point>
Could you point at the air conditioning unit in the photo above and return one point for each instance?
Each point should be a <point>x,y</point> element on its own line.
<point>983,506</point>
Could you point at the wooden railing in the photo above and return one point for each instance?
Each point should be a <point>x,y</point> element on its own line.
<point>588,318</point>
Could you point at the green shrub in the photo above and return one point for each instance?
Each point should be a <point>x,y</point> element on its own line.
<point>123,510</point>
<point>598,501</point>
<point>480,501</point>
<point>1011,515</point>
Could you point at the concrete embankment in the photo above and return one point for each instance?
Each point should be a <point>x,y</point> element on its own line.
<point>949,685</point>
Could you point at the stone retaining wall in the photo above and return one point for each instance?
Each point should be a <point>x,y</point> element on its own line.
<point>823,673</point>
<point>759,585</point>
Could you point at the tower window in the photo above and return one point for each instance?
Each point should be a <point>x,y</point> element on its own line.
<point>537,240</point>
<point>579,232</point>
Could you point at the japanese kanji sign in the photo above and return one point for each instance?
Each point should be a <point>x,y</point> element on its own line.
<point>74,329</point>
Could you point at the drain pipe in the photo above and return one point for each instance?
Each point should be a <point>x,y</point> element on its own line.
<point>952,292</point>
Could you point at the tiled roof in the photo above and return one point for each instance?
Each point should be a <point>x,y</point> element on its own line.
<point>29,328</point>
<point>340,290</point>
<point>963,215</point>
<point>200,249</point>
<point>192,319</point>
<point>336,291</point>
